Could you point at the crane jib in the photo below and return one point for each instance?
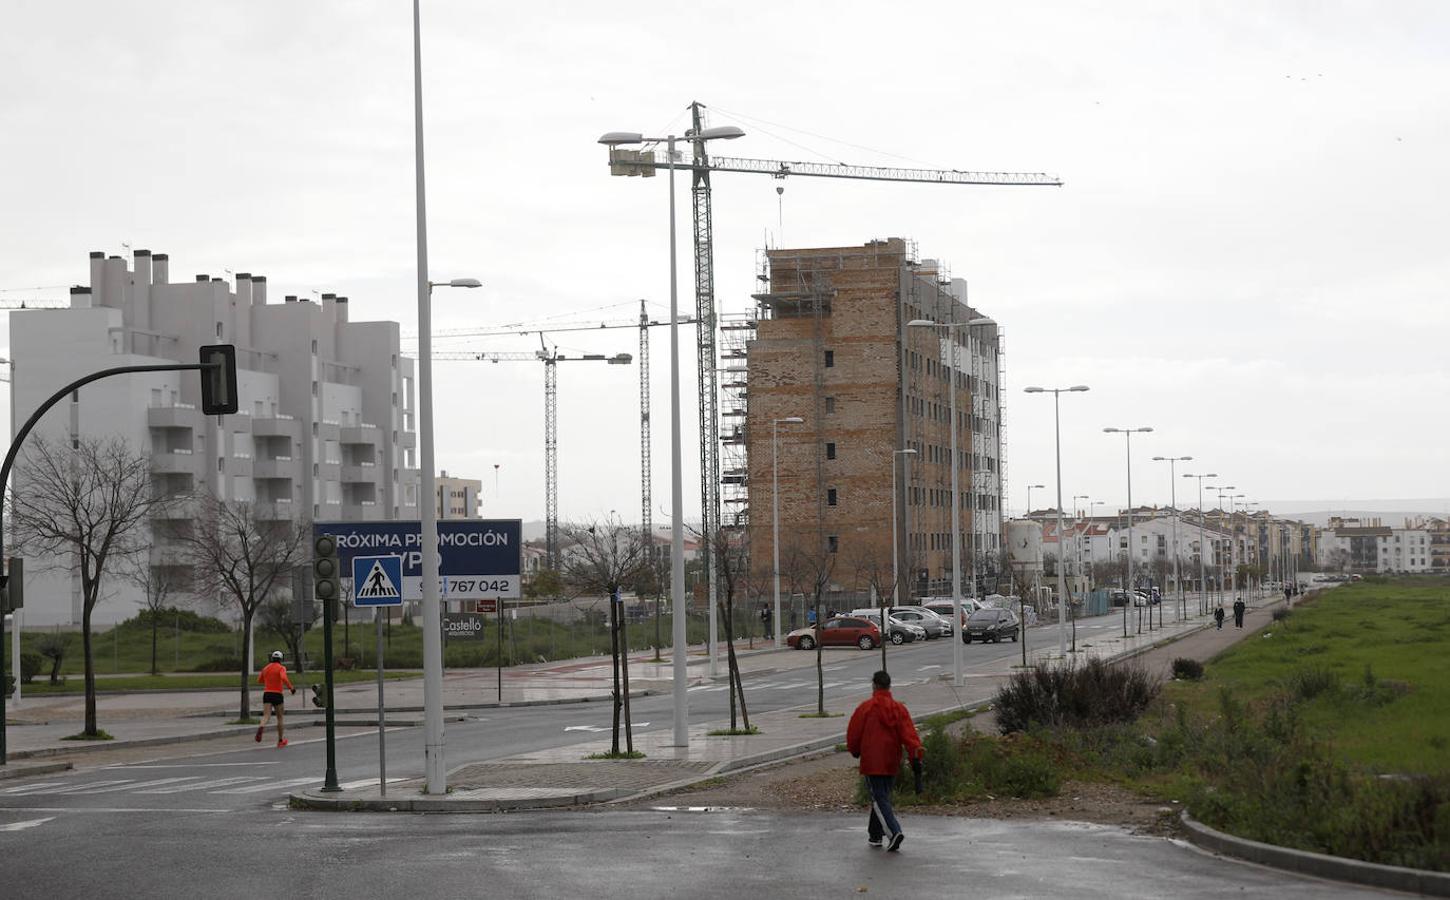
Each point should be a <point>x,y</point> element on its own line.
<point>783,169</point>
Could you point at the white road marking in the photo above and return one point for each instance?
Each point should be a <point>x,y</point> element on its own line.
<point>82,788</point>
<point>31,787</point>
<point>130,785</point>
<point>269,786</point>
<point>201,786</point>
<point>590,728</point>
<point>364,782</point>
<point>120,809</point>
<point>29,823</point>
<point>190,765</point>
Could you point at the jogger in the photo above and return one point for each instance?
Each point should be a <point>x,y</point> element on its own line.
<point>273,678</point>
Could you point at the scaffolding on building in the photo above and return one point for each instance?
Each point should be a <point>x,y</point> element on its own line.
<point>737,330</point>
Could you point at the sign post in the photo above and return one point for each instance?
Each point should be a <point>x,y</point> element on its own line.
<point>377,581</point>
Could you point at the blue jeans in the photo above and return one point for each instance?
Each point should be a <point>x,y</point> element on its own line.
<point>879,787</point>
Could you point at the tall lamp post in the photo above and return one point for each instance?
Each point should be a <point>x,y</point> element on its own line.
<point>1130,595</point>
<point>946,327</point>
<point>775,508</point>
<point>1173,462</point>
<point>1076,538</point>
<point>677,529</point>
<point>1223,492</point>
<point>1061,556</point>
<point>1030,489</point>
<point>895,574</point>
<point>1202,545</point>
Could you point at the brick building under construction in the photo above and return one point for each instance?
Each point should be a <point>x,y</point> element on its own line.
<point>832,346</point>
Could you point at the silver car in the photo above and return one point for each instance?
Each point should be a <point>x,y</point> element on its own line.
<point>931,623</point>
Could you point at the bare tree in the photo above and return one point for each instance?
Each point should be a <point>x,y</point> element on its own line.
<point>86,501</point>
<point>280,616</point>
<point>606,556</point>
<point>239,551</point>
<point>732,565</point>
<point>158,585</point>
<point>810,566</point>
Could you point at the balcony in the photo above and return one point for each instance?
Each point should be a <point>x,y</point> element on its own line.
<point>365,511</point>
<point>168,556</point>
<point>239,466</point>
<point>175,462</point>
<point>360,434</point>
<point>282,467</point>
<point>363,473</point>
<point>279,509</point>
<point>408,440</point>
<point>175,509</point>
<point>276,426</point>
<point>178,416</point>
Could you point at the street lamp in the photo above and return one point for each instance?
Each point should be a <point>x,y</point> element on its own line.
<point>1223,491</point>
<point>677,528</point>
<point>1131,594</point>
<point>1202,545</point>
<point>1173,462</point>
<point>895,576</point>
<point>1061,556</point>
<point>1030,489</point>
<point>775,508</point>
<point>956,493</point>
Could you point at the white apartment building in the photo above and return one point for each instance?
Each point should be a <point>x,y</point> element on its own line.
<point>325,428</point>
<point>1404,550</point>
<point>1104,540</point>
<point>457,498</point>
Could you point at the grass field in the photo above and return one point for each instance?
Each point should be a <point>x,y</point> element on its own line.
<point>1398,631</point>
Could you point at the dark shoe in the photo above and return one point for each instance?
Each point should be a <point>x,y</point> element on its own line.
<point>874,842</point>
<point>259,734</point>
<point>896,840</point>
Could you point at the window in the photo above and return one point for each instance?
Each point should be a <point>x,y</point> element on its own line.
<point>218,329</point>
<point>314,345</point>
<point>830,359</point>
<point>832,543</point>
<point>830,450</point>
<point>830,405</point>
<point>830,496</point>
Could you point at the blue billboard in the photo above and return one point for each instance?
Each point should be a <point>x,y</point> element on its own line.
<point>478,558</point>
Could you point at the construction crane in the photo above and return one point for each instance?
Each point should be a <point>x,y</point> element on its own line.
<point>550,358</point>
<point>34,303</point>
<point>637,162</point>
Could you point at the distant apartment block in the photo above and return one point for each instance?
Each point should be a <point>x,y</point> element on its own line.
<point>457,498</point>
<point>831,345</point>
<point>325,430</point>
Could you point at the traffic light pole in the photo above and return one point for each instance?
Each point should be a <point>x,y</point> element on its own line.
<point>30,424</point>
<point>329,781</point>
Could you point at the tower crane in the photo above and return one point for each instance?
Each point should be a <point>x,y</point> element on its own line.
<point>701,165</point>
<point>551,359</point>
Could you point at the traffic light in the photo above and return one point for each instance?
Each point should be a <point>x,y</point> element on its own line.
<point>12,586</point>
<point>219,379</point>
<point>326,586</point>
<point>319,695</point>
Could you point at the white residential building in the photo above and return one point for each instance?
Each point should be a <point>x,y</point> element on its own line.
<point>1405,550</point>
<point>1104,540</point>
<point>325,427</point>
<point>457,498</point>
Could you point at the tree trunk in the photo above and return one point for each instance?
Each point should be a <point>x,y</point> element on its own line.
<point>820,666</point>
<point>153,641</point>
<point>737,687</point>
<point>614,660</point>
<point>246,704</point>
<point>624,681</point>
<point>724,606</point>
<point>90,666</point>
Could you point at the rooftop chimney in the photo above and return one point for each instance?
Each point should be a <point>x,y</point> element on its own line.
<point>259,289</point>
<point>159,268</point>
<point>203,278</point>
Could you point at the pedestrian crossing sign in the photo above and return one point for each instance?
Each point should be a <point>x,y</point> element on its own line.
<point>377,581</point>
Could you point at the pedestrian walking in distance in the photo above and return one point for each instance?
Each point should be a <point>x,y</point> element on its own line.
<point>1218,617</point>
<point>880,728</point>
<point>273,678</point>
<point>1239,613</point>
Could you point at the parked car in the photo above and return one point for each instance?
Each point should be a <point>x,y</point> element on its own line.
<point>934,625</point>
<point>991,625</point>
<point>898,631</point>
<point>943,608</point>
<point>840,631</point>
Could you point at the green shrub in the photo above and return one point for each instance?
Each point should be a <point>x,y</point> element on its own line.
<point>1186,669</point>
<point>1086,695</point>
<point>1308,683</point>
<point>31,665</point>
<point>1280,614</point>
<point>177,619</point>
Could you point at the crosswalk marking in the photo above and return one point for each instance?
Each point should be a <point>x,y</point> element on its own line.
<point>269,786</point>
<point>137,785</point>
<point>202,786</point>
<point>28,788</point>
<point>21,826</point>
<point>81,788</point>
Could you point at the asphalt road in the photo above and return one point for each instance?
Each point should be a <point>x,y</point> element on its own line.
<point>728,854</point>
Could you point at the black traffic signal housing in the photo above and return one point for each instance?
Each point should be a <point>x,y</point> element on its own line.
<point>12,586</point>
<point>326,584</point>
<point>219,379</point>
<point>319,694</point>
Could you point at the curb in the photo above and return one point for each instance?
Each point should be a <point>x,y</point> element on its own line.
<point>1319,865</point>
<point>425,804</point>
<point>92,746</point>
<point>27,771</point>
<point>508,704</point>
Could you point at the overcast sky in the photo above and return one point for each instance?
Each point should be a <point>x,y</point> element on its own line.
<point>1249,254</point>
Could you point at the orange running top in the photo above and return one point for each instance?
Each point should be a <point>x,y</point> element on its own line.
<point>273,678</point>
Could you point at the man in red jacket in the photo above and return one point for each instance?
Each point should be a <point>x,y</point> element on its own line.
<point>879,729</point>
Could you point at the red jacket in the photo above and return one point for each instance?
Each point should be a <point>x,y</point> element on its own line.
<point>879,728</point>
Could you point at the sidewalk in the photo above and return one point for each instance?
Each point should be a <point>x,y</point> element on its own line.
<point>563,777</point>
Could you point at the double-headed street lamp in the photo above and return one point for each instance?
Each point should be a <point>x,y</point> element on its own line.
<point>1061,556</point>
<point>1223,491</point>
<point>677,529</point>
<point>1202,546</point>
<point>1131,593</point>
<point>775,508</point>
<point>956,493</point>
<point>1173,462</point>
<point>1030,489</point>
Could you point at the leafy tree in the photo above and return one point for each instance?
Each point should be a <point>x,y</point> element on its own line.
<point>545,584</point>
<point>157,584</point>
<point>239,551</point>
<point>87,503</point>
<point>53,647</point>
